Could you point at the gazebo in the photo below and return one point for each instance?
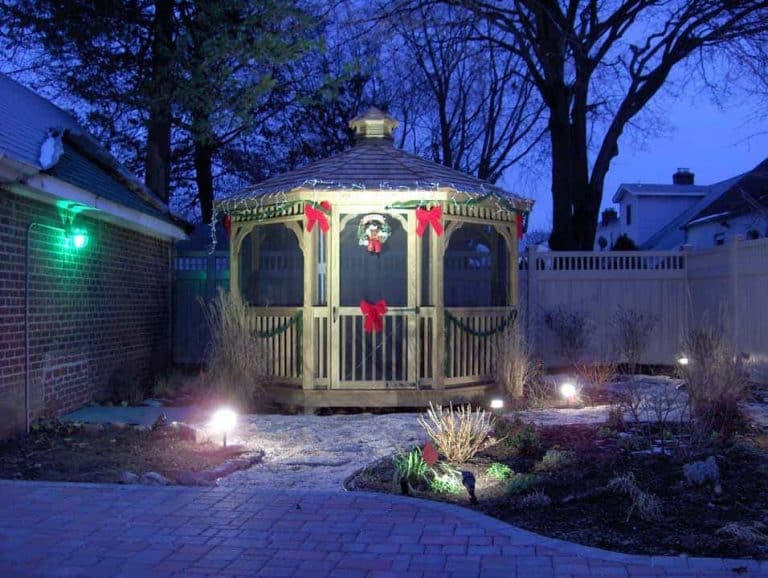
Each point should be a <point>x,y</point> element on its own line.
<point>375,277</point>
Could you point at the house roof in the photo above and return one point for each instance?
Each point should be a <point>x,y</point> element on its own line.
<point>640,190</point>
<point>740,196</point>
<point>374,163</point>
<point>30,124</point>
<point>658,240</point>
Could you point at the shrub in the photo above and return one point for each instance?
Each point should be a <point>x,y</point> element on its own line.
<point>499,471</point>
<point>519,483</point>
<point>631,335</point>
<point>648,506</point>
<point>525,442</point>
<point>410,466</point>
<point>537,499</point>
<point>742,533</point>
<point>515,367</point>
<point>555,460</point>
<point>573,331</point>
<point>458,433</point>
<point>596,375</point>
<point>540,392</point>
<point>716,379</point>
<point>235,358</point>
<point>445,484</point>
<point>615,418</point>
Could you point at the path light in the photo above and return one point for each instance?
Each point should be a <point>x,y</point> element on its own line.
<point>683,360</point>
<point>497,404</point>
<point>223,422</point>
<point>568,391</point>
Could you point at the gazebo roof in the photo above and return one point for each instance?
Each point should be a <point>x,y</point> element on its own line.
<point>374,163</point>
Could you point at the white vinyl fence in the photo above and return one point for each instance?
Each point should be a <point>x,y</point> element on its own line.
<point>726,285</point>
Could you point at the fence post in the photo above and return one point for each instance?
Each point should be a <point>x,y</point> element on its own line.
<point>530,325</point>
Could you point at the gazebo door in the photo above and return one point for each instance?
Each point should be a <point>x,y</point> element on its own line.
<point>371,265</point>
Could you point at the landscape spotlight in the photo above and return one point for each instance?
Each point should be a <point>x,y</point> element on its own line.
<point>682,360</point>
<point>568,390</point>
<point>223,422</point>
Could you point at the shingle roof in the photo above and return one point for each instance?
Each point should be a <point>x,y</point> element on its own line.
<point>374,164</point>
<point>753,184</point>
<point>26,121</point>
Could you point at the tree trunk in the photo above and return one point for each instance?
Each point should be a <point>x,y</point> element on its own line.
<point>158,162</point>
<point>204,179</point>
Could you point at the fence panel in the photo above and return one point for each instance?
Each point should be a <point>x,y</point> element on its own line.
<point>196,275</point>
<point>724,285</point>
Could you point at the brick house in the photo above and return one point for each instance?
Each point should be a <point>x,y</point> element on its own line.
<point>85,265</point>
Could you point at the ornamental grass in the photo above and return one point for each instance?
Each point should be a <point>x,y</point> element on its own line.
<point>458,434</point>
<point>235,360</point>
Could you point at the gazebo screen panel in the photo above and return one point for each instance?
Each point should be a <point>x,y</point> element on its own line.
<point>475,268</point>
<point>272,267</point>
<point>369,276</point>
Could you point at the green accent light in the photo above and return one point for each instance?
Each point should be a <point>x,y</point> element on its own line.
<point>79,238</point>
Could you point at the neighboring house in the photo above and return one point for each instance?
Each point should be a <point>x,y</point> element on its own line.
<point>665,217</point>
<point>740,209</point>
<point>85,254</point>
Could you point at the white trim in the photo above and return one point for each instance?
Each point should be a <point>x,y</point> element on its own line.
<point>47,188</point>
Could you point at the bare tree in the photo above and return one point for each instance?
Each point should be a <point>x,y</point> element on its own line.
<point>478,113</point>
<point>596,65</point>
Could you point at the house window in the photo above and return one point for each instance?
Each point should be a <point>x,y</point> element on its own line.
<point>629,214</point>
<point>719,238</point>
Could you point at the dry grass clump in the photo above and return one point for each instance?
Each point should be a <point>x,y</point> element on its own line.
<point>458,433</point>
<point>716,378</point>
<point>515,366</point>
<point>234,359</point>
<point>647,505</point>
<point>536,499</point>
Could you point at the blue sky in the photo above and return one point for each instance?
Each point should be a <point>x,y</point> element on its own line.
<point>714,143</point>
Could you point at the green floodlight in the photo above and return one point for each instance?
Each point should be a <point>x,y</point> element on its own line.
<point>78,238</point>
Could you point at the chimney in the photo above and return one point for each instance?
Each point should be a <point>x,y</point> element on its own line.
<point>609,216</point>
<point>683,176</point>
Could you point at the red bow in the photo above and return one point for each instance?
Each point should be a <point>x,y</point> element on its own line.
<point>373,315</point>
<point>316,216</point>
<point>432,217</point>
<point>374,246</point>
<point>227,222</point>
<point>519,226</point>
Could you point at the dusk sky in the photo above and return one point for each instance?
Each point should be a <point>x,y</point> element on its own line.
<point>713,143</point>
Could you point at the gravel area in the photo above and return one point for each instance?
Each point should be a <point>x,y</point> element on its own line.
<point>319,452</point>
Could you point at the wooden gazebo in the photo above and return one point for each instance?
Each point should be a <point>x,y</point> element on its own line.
<point>375,277</point>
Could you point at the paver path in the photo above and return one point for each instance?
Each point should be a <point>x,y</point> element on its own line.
<point>60,529</point>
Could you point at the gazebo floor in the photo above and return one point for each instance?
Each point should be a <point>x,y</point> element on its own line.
<point>313,399</point>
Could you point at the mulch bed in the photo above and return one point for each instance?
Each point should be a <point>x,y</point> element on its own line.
<point>76,453</point>
<point>585,510</point>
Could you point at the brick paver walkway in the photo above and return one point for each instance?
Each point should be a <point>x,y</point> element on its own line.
<point>49,529</point>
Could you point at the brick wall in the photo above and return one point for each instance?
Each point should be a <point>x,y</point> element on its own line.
<point>94,314</point>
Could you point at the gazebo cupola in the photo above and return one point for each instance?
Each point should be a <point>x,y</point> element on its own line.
<point>376,277</point>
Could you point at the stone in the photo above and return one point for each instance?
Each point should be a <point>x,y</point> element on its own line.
<point>188,432</point>
<point>129,478</point>
<point>154,479</point>
<point>701,472</point>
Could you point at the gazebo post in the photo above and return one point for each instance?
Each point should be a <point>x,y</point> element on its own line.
<point>234,260</point>
<point>413,300</point>
<point>436,255</point>
<point>308,322</point>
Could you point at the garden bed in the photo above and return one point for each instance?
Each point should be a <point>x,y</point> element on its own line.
<point>557,481</point>
<point>84,453</point>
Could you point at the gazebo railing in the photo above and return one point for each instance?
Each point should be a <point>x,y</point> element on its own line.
<point>279,331</point>
<point>470,341</point>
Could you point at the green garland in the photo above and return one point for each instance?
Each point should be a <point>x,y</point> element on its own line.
<point>449,319</point>
<point>509,319</point>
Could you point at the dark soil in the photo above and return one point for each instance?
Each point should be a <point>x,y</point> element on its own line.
<point>584,510</point>
<point>67,452</point>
